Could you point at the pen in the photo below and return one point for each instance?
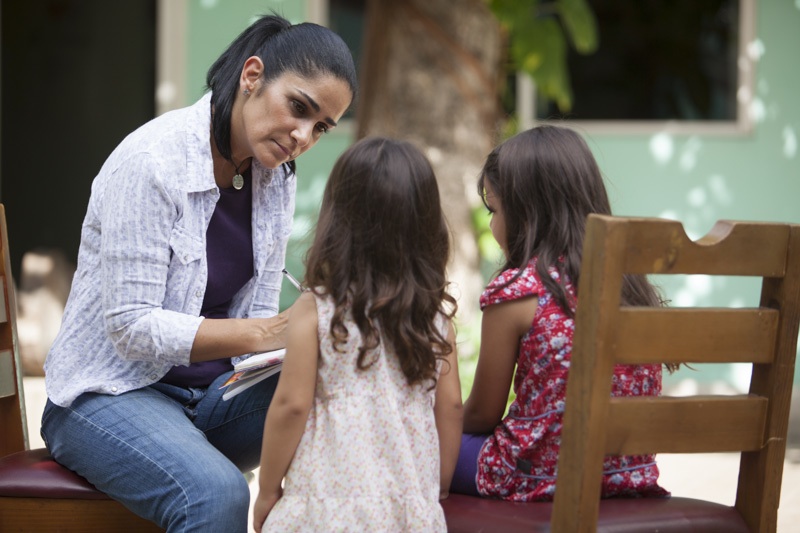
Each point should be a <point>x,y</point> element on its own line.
<point>293,280</point>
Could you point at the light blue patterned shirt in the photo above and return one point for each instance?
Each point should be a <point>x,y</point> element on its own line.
<point>134,307</point>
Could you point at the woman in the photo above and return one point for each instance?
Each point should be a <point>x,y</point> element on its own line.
<point>179,270</point>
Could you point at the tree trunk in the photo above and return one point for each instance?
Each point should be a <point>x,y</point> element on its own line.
<point>430,75</point>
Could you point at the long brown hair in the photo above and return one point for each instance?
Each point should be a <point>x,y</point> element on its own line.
<point>380,250</point>
<point>548,182</point>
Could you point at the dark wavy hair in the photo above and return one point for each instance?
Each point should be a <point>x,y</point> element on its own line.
<point>380,250</point>
<point>306,49</point>
<point>548,182</point>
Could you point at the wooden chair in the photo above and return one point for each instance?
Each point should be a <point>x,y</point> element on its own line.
<point>596,425</point>
<point>36,493</point>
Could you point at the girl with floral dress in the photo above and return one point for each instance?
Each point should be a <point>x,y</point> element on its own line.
<point>539,187</point>
<point>365,424</point>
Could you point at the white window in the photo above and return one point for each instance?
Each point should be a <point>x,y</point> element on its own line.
<point>683,66</point>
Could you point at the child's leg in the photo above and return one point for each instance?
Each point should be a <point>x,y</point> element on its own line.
<point>467,465</point>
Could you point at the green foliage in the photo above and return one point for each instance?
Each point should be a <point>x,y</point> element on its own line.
<point>469,343</point>
<point>487,247</point>
<point>538,32</point>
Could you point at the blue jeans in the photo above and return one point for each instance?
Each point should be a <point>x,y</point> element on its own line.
<point>170,454</point>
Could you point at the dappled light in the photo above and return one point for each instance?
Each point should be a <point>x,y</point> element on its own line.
<point>662,147</point>
<point>697,291</point>
<point>756,49</point>
<point>789,142</point>
<point>720,192</point>
<point>733,378</point>
<point>166,94</point>
<point>688,157</point>
<point>757,110</point>
<point>696,197</point>
<point>695,288</point>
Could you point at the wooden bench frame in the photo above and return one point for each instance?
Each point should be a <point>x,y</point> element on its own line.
<point>606,334</point>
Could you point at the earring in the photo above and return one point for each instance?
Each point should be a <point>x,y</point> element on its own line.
<point>246,92</point>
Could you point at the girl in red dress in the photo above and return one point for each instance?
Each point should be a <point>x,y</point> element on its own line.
<point>539,187</point>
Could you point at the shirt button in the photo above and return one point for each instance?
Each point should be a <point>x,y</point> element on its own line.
<point>114,389</point>
<point>199,294</point>
<point>154,376</point>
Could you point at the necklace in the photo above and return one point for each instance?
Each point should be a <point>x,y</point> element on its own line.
<point>238,179</point>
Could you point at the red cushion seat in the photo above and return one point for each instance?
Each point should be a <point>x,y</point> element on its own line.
<point>469,514</point>
<point>34,474</point>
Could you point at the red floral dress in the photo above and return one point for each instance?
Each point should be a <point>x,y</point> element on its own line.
<point>518,461</point>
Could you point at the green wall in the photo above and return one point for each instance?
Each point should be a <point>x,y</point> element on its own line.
<point>213,24</point>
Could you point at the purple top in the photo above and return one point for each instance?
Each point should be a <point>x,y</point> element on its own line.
<point>229,247</point>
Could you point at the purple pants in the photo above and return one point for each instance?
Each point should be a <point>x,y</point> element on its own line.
<point>464,481</point>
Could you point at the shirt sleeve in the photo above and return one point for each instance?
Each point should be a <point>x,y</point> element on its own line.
<point>502,289</point>
<point>140,226</point>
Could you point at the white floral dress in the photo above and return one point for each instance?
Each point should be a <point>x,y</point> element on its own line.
<point>369,457</point>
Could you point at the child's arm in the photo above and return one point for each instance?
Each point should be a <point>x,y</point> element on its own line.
<point>449,413</point>
<point>502,327</point>
<point>288,412</point>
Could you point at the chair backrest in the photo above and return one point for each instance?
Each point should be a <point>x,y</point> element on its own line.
<point>13,424</point>
<point>606,333</point>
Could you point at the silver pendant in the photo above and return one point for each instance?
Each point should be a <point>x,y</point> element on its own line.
<point>238,182</point>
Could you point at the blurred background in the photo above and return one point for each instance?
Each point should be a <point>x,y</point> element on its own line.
<point>690,107</point>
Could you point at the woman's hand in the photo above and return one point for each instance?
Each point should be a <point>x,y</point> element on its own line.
<point>263,505</point>
<point>274,330</point>
<point>230,337</point>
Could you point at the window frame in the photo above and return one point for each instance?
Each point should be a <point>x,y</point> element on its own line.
<point>171,55</point>
<point>745,96</point>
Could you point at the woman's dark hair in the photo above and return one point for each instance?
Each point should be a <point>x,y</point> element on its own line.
<point>548,182</point>
<point>305,49</point>
<point>381,249</point>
